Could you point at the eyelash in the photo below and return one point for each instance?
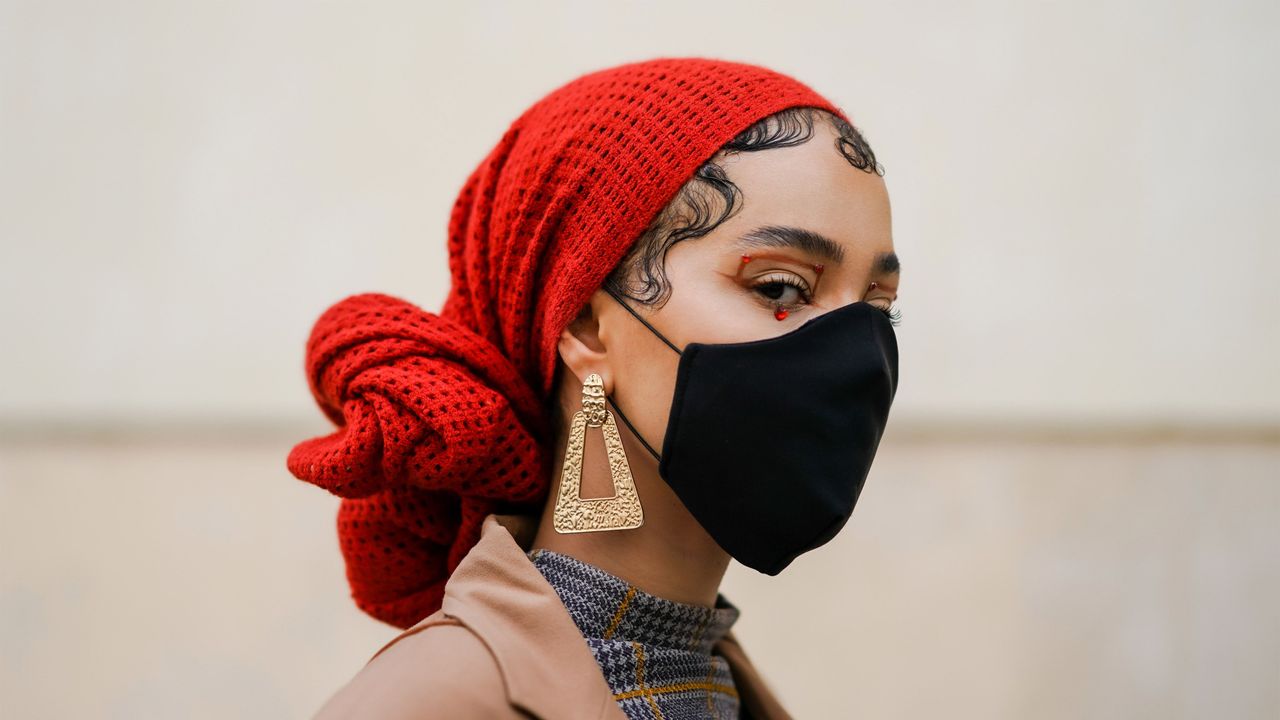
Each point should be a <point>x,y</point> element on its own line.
<point>892,312</point>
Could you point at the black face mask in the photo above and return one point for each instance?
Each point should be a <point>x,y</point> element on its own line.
<point>769,442</point>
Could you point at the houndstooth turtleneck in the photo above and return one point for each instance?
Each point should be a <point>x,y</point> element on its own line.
<point>656,654</point>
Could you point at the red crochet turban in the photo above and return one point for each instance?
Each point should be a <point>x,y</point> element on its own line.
<point>441,419</point>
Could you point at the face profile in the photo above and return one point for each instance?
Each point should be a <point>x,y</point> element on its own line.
<point>811,233</point>
<point>787,223</point>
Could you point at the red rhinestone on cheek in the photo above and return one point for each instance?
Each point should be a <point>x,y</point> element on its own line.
<point>780,314</point>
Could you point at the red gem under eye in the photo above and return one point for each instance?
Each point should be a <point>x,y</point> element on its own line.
<point>780,314</point>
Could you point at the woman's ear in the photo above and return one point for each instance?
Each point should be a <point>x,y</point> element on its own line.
<point>581,348</point>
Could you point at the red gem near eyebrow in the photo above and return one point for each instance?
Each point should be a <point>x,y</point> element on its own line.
<point>746,258</point>
<point>780,314</point>
<point>873,286</point>
<point>818,268</point>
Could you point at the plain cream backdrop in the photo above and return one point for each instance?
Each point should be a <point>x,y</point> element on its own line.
<point>1074,512</point>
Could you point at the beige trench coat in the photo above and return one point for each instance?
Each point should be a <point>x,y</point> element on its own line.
<point>503,646</point>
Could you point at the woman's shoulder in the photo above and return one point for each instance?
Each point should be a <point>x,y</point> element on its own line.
<point>440,669</point>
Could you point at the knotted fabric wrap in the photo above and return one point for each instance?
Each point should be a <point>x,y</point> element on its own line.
<point>442,418</point>
<point>436,426</point>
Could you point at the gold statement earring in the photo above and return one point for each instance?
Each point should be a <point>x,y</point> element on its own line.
<point>620,511</point>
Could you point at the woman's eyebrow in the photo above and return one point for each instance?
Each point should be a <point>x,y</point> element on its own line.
<point>807,241</point>
<point>886,263</point>
<point>816,244</point>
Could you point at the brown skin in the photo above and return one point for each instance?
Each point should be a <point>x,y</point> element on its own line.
<point>715,298</point>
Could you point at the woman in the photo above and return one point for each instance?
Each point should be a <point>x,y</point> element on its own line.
<point>698,248</point>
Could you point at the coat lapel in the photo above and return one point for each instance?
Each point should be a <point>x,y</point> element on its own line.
<point>501,596</point>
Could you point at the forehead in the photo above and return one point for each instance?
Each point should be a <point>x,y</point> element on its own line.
<point>812,186</point>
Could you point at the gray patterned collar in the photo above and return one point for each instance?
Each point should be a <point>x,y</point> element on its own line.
<point>656,654</point>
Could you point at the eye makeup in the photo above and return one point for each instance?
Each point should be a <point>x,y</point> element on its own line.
<point>784,280</point>
<point>781,280</point>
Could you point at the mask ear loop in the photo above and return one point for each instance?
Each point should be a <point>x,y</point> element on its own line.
<point>646,322</point>
<point>632,428</point>
<point>618,410</point>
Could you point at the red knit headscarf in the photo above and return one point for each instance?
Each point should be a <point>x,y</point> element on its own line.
<point>442,419</point>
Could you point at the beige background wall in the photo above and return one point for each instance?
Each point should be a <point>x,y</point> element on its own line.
<point>1073,515</point>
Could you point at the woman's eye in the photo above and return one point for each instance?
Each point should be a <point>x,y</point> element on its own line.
<point>782,291</point>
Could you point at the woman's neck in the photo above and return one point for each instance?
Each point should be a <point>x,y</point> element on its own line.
<point>670,555</point>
